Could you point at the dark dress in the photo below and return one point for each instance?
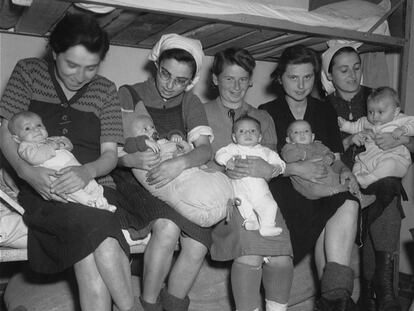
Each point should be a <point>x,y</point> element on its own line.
<point>61,234</point>
<point>182,113</point>
<point>305,218</point>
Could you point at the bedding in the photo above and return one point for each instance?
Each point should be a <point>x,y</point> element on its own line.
<point>351,14</point>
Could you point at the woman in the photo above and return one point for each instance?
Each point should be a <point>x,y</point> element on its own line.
<point>382,221</point>
<point>256,259</point>
<point>173,108</point>
<point>327,225</point>
<point>76,102</point>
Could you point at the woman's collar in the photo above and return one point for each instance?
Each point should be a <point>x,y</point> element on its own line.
<point>227,105</point>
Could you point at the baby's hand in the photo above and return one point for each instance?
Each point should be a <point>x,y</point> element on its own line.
<point>360,138</point>
<point>153,145</point>
<point>176,138</point>
<point>231,164</point>
<point>398,132</point>
<point>341,122</point>
<point>54,144</point>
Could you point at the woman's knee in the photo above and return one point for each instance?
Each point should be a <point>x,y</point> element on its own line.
<point>281,262</point>
<point>193,249</point>
<point>165,232</point>
<point>251,260</point>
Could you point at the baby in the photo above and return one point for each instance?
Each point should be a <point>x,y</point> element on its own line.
<point>36,148</point>
<point>301,146</point>
<point>383,116</point>
<point>201,195</point>
<point>257,205</point>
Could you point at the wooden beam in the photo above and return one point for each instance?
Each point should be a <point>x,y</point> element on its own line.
<point>407,62</point>
<point>39,18</point>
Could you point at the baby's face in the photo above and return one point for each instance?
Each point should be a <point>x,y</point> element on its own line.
<point>381,111</point>
<point>144,126</point>
<point>30,129</point>
<point>247,133</point>
<point>301,133</point>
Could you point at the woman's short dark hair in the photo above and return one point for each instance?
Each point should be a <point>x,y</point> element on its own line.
<point>233,56</point>
<point>344,50</point>
<point>295,55</point>
<point>79,29</point>
<point>180,56</point>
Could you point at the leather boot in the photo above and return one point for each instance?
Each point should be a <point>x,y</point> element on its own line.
<point>384,282</point>
<point>342,304</point>
<point>366,300</point>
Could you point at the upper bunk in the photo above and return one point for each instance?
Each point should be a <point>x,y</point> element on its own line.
<point>264,27</point>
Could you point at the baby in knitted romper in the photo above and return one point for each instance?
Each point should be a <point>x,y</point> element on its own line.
<point>36,148</point>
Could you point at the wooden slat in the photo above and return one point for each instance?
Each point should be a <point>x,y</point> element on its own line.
<point>144,26</point>
<point>181,26</point>
<point>39,18</point>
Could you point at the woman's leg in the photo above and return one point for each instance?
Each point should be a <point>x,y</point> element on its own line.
<point>277,281</point>
<point>335,246</point>
<point>246,276</point>
<point>103,276</point>
<point>186,267</point>
<point>157,257</point>
<point>183,274</point>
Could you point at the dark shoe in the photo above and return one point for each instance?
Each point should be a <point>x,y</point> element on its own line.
<point>366,300</point>
<point>385,282</point>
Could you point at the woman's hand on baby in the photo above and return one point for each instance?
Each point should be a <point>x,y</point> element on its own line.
<point>153,145</point>
<point>165,172</point>
<point>70,179</point>
<point>345,177</point>
<point>360,138</point>
<point>311,170</point>
<point>143,160</point>
<point>176,138</point>
<point>385,141</point>
<point>40,179</point>
<point>341,122</point>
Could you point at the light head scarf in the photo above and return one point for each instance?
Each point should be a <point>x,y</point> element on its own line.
<point>174,41</point>
<point>333,47</point>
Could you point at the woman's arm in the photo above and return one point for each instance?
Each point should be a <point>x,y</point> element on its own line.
<point>73,178</point>
<point>37,177</point>
<point>385,141</point>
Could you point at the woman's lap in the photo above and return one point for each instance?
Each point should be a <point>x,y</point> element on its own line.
<point>142,208</point>
<point>61,234</point>
<point>231,240</point>
<point>305,218</point>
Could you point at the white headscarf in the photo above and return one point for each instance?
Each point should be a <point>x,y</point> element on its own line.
<point>174,41</point>
<point>334,46</point>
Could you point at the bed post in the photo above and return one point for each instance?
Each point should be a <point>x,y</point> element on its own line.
<point>407,62</point>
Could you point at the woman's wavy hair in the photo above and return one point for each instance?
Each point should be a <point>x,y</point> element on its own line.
<point>79,29</point>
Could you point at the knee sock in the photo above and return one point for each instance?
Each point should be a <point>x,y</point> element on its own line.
<point>337,281</point>
<point>277,279</point>
<point>385,230</point>
<point>274,306</point>
<point>172,303</point>
<point>245,283</point>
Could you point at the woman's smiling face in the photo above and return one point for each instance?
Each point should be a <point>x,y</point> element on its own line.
<point>172,77</point>
<point>76,67</point>
<point>233,83</point>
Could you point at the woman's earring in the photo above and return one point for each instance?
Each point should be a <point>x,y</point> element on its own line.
<point>250,84</point>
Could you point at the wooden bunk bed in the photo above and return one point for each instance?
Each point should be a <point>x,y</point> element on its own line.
<point>141,23</point>
<point>264,27</point>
